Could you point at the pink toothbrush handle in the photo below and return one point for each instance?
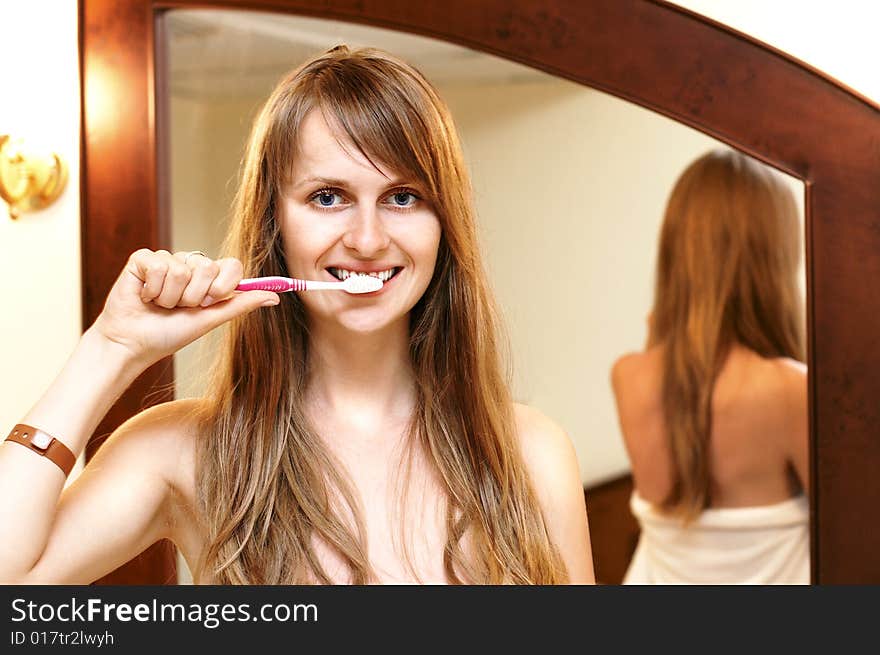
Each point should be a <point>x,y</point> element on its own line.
<point>277,284</point>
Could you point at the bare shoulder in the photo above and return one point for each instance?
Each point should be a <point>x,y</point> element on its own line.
<point>792,380</point>
<point>624,366</point>
<point>635,370</point>
<point>793,371</point>
<point>549,456</point>
<point>545,445</point>
<point>781,378</point>
<point>169,426</point>
<point>160,439</point>
<point>635,383</point>
<point>552,465</point>
<point>773,371</point>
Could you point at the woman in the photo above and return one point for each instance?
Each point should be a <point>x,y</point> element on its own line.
<point>714,411</point>
<point>346,438</point>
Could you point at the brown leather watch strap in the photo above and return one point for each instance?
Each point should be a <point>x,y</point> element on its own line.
<point>45,445</point>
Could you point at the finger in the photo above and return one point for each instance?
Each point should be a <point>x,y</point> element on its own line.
<point>176,278</point>
<point>188,257</point>
<point>147,270</point>
<point>237,305</point>
<point>203,273</point>
<point>231,272</point>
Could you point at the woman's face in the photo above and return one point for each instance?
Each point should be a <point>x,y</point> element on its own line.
<point>339,216</point>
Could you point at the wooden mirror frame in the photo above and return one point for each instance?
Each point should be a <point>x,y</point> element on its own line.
<point>656,55</point>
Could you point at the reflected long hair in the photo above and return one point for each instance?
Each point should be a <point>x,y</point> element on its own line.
<point>727,273</point>
<point>268,488</point>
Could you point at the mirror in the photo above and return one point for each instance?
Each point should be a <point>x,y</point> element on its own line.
<point>570,186</point>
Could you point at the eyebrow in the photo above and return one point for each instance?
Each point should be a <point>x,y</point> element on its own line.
<point>327,181</point>
<point>333,182</point>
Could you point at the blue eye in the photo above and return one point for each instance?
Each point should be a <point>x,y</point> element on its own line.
<point>403,199</point>
<point>326,198</point>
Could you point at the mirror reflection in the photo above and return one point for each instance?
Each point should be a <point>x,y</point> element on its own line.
<point>571,186</point>
<point>713,410</point>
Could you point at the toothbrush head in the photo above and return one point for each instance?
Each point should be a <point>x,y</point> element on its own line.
<point>361,284</point>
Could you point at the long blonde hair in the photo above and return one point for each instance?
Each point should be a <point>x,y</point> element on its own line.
<point>267,485</point>
<point>727,270</point>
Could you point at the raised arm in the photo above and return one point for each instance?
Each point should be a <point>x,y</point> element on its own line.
<point>117,507</point>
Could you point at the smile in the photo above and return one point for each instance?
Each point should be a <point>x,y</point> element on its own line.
<point>344,273</point>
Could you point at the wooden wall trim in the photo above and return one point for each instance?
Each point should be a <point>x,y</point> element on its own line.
<point>614,531</point>
<point>119,203</point>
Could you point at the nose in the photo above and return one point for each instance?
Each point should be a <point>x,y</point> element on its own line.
<point>366,232</point>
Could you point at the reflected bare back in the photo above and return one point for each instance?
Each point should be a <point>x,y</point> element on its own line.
<point>758,440</point>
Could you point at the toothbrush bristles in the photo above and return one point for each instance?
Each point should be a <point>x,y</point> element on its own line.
<point>362,284</point>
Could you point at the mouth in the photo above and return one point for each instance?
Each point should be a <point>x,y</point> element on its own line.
<point>385,275</point>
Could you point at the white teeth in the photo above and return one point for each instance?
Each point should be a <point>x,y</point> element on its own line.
<point>344,274</point>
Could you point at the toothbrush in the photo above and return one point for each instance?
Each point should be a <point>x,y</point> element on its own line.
<point>352,284</point>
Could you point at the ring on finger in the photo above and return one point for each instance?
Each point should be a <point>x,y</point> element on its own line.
<point>190,254</point>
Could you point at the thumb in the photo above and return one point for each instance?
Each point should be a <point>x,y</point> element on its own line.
<point>237,305</point>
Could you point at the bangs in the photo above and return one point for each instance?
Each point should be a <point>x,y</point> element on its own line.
<point>383,119</point>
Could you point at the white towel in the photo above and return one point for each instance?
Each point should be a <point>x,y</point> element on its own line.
<point>742,545</point>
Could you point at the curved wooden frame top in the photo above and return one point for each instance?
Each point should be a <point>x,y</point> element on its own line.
<point>651,53</point>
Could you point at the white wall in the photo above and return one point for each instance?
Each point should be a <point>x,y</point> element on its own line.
<point>40,252</point>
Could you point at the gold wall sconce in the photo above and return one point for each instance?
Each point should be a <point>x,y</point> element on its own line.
<point>29,181</point>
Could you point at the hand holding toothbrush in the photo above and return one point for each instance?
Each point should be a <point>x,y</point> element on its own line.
<point>161,302</point>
